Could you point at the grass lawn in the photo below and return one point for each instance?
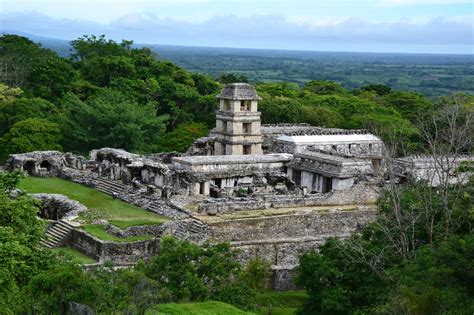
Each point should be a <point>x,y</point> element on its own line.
<point>120,213</point>
<point>75,254</point>
<point>283,303</point>
<point>204,308</point>
<point>99,231</point>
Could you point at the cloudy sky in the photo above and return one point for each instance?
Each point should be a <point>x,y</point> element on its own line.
<point>426,26</point>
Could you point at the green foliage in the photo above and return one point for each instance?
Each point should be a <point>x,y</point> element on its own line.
<point>110,119</point>
<point>226,78</point>
<point>190,272</point>
<point>256,274</point>
<point>182,137</point>
<point>8,94</point>
<point>436,281</point>
<point>31,134</point>
<point>20,231</point>
<point>204,308</point>
<point>23,108</point>
<point>10,180</point>
<point>51,291</point>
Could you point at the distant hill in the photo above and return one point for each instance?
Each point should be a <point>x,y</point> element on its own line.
<point>60,46</point>
<point>430,74</point>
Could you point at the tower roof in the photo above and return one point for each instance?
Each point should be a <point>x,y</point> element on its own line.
<point>239,91</point>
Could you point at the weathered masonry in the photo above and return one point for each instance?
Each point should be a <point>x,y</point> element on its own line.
<point>223,174</point>
<point>238,121</point>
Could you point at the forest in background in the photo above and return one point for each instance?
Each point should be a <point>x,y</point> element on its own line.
<point>432,75</point>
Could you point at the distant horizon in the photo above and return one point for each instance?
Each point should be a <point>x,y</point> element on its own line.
<point>379,26</point>
<point>26,34</point>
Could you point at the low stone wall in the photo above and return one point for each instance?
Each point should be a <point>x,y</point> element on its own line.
<point>56,206</point>
<point>291,226</point>
<point>119,253</point>
<point>135,230</point>
<point>360,194</point>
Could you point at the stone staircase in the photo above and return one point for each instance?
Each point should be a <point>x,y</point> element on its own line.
<point>190,229</point>
<point>56,234</point>
<point>112,188</point>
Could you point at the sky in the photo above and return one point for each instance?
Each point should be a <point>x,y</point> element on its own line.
<point>407,26</point>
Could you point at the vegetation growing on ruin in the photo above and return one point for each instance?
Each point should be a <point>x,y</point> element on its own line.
<point>119,213</point>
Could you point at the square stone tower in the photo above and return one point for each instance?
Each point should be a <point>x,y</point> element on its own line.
<point>238,121</point>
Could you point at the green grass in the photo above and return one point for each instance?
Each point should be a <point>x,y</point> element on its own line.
<point>283,303</point>
<point>75,255</point>
<point>204,308</point>
<point>99,231</point>
<point>278,311</point>
<point>119,212</point>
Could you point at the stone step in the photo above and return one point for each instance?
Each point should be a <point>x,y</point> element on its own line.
<point>62,229</point>
<point>45,244</point>
<point>56,235</point>
<point>112,184</point>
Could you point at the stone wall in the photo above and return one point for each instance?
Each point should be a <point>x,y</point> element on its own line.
<point>156,230</point>
<point>56,206</point>
<point>311,223</point>
<point>359,194</point>
<point>117,252</point>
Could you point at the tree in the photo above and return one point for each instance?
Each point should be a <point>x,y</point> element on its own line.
<point>24,108</point>
<point>31,134</point>
<point>256,274</point>
<point>8,94</point>
<point>190,272</point>
<point>20,231</point>
<point>182,137</point>
<point>111,120</point>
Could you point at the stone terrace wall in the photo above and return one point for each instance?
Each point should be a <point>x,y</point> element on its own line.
<point>360,194</point>
<point>119,253</point>
<point>295,226</point>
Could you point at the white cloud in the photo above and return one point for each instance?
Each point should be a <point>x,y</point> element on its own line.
<point>261,31</point>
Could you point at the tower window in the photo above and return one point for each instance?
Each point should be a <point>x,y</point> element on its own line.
<point>247,127</point>
<point>227,104</point>
<point>245,106</point>
<point>247,149</point>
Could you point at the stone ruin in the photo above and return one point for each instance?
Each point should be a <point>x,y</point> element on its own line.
<point>272,191</point>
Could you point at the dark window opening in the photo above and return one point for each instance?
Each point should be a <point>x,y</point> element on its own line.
<point>218,182</point>
<point>29,167</point>
<point>202,188</point>
<point>45,164</point>
<point>227,104</point>
<point>327,184</point>
<point>296,177</point>
<point>247,127</point>
<point>247,149</point>
<point>244,106</point>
